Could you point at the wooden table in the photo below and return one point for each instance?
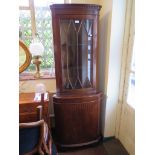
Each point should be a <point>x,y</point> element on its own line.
<point>28,108</point>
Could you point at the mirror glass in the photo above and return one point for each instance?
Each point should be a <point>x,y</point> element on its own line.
<point>24,56</point>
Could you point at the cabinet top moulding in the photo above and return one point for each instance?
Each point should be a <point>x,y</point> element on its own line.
<point>79,8</point>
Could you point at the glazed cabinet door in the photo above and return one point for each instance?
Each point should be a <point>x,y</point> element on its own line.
<point>75,55</point>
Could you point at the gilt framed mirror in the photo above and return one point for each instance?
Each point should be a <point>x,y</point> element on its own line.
<point>24,56</point>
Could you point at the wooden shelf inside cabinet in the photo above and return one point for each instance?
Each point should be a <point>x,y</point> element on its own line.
<point>75,34</point>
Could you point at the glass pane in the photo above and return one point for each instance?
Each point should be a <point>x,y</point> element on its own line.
<point>24,3</point>
<point>76,49</point>
<point>25,31</point>
<point>44,31</point>
<point>40,3</point>
<point>68,51</point>
<point>85,40</point>
<point>25,26</point>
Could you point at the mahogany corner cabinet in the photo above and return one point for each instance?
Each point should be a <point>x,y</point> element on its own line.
<point>76,102</point>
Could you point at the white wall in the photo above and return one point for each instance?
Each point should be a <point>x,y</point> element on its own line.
<point>113,53</point>
<point>104,46</point>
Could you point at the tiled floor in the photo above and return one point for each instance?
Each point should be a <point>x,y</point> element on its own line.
<point>110,147</point>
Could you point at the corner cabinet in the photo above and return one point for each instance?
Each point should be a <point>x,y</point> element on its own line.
<point>76,102</point>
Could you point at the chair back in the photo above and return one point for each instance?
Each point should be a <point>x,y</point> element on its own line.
<point>35,137</point>
<point>30,137</point>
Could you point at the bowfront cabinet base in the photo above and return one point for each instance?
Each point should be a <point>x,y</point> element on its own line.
<point>77,119</point>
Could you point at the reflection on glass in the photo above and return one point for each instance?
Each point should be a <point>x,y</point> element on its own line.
<point>76,49</point>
